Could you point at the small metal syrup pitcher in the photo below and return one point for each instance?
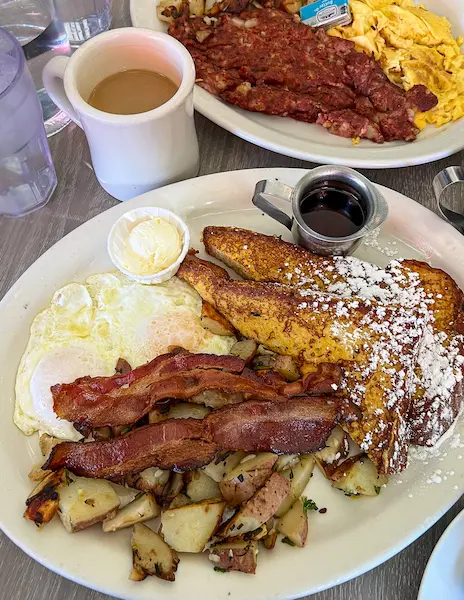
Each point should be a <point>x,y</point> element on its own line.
<point>318,186</point>
<point>443,181</point>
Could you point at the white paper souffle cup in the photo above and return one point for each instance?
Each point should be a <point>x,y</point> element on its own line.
<point>119,235</point>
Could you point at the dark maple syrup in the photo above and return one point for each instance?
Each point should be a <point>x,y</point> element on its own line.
<point>333,211</point>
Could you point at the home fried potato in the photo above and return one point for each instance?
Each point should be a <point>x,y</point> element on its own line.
<point>42,503</point>
<point>298,477</point>
<point>143,508</point>
<point>294,524</point>
<point>259,509</point>
<point>235,556</point>
<point>84,502</point>
<point>201,487</point>
<point>188,528</point>
<point>213,321</point>
<point>223,464</point>
<point>249,475</point>
<point>336,449</point>
<point>151,555</point>
<point>358,476</point>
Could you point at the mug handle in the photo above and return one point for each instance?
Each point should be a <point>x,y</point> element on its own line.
<point>52,76</point>
<point>277,190</point>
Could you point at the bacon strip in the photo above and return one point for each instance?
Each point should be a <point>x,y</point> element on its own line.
<point>299,425</point>
<point>101,402</point>
<point>172,444</point>
<point>86,397</point>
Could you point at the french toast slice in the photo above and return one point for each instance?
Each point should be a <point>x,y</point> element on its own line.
<point>375,344</point>
<point>268,258</point>
<point>437,398</point>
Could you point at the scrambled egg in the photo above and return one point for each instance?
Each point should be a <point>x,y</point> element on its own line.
<point>87,327</point>
<point>413,46</point>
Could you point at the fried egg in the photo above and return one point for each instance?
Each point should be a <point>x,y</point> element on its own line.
<point>89,326</point>
<point>413,46</point>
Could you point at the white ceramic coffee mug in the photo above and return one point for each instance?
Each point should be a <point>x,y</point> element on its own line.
<point>131,154</point>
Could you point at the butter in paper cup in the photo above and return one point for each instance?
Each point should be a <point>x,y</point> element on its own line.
<point>119,235</point>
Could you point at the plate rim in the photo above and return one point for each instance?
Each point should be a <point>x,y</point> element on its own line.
<point>235,121</point>
<point>255,174</point>
<point>438,547</point>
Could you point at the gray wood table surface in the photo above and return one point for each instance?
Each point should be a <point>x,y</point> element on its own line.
<point>78,198</point>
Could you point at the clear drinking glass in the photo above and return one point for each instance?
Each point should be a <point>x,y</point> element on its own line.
<point>42,36</point>
<point>27,175</point>
<point>82,19</point>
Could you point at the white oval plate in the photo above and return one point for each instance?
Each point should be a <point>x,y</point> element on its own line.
<point>312,142</point>
<point>444,575</point>
<point>351,538</point>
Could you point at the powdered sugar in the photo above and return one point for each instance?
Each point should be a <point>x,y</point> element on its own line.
<point>419,362</point>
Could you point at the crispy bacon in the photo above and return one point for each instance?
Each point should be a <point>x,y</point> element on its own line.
<point>299,425</point>
<point>87,397</point>
<point>173,444</point>
<point>101,402</point>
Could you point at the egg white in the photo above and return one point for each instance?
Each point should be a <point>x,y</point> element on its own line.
<point>89,326</point>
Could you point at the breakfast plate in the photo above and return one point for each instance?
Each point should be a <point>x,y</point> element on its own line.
<point>444,575</point>
<point>352,536</point>
<point>311,142</point>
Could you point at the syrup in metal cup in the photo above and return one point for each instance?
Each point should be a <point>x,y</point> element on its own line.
<point>333,208</point>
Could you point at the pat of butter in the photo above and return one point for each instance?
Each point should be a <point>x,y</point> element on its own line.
<point>152,246</point>
<point>326,13</point>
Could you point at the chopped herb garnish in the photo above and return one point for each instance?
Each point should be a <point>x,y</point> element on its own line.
<point>350,494</point>
<point>239,526</point>
<point>253,314</point>
<point>291,474</point>
<point>308,504</point>
<point>219,570</point>
<point>377,489</point>
<point>286,540</point>
<point>241,478</point>
<point>322,510</point>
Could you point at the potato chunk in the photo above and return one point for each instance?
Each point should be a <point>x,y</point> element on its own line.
<point>85,502</point>
<point>294,524</point>
<point>246,350</point>
<point>187,410</point>
<point>298,476</point>
<point>358,476</point>
<point>201,487</point>
<point>151,555</point>
<point>168,10</point>
<point>150,480</point>
<point>336,449</point>
<point>241,483</point>
<point>211,319</point>
<point>189,528</point>
<point>223,464</point>
<point>143,508</point>
<point>286,461</point>
<point>42,503</point>
<point>235,556</point>
<point>260,508</point>
<point>284,365</point>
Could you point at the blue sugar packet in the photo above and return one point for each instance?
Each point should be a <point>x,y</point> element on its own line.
<point>326,13</point>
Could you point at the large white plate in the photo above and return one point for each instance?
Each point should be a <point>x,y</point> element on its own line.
<point>444,575</point>
<point>352,537</point>
<point>312,142</point>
